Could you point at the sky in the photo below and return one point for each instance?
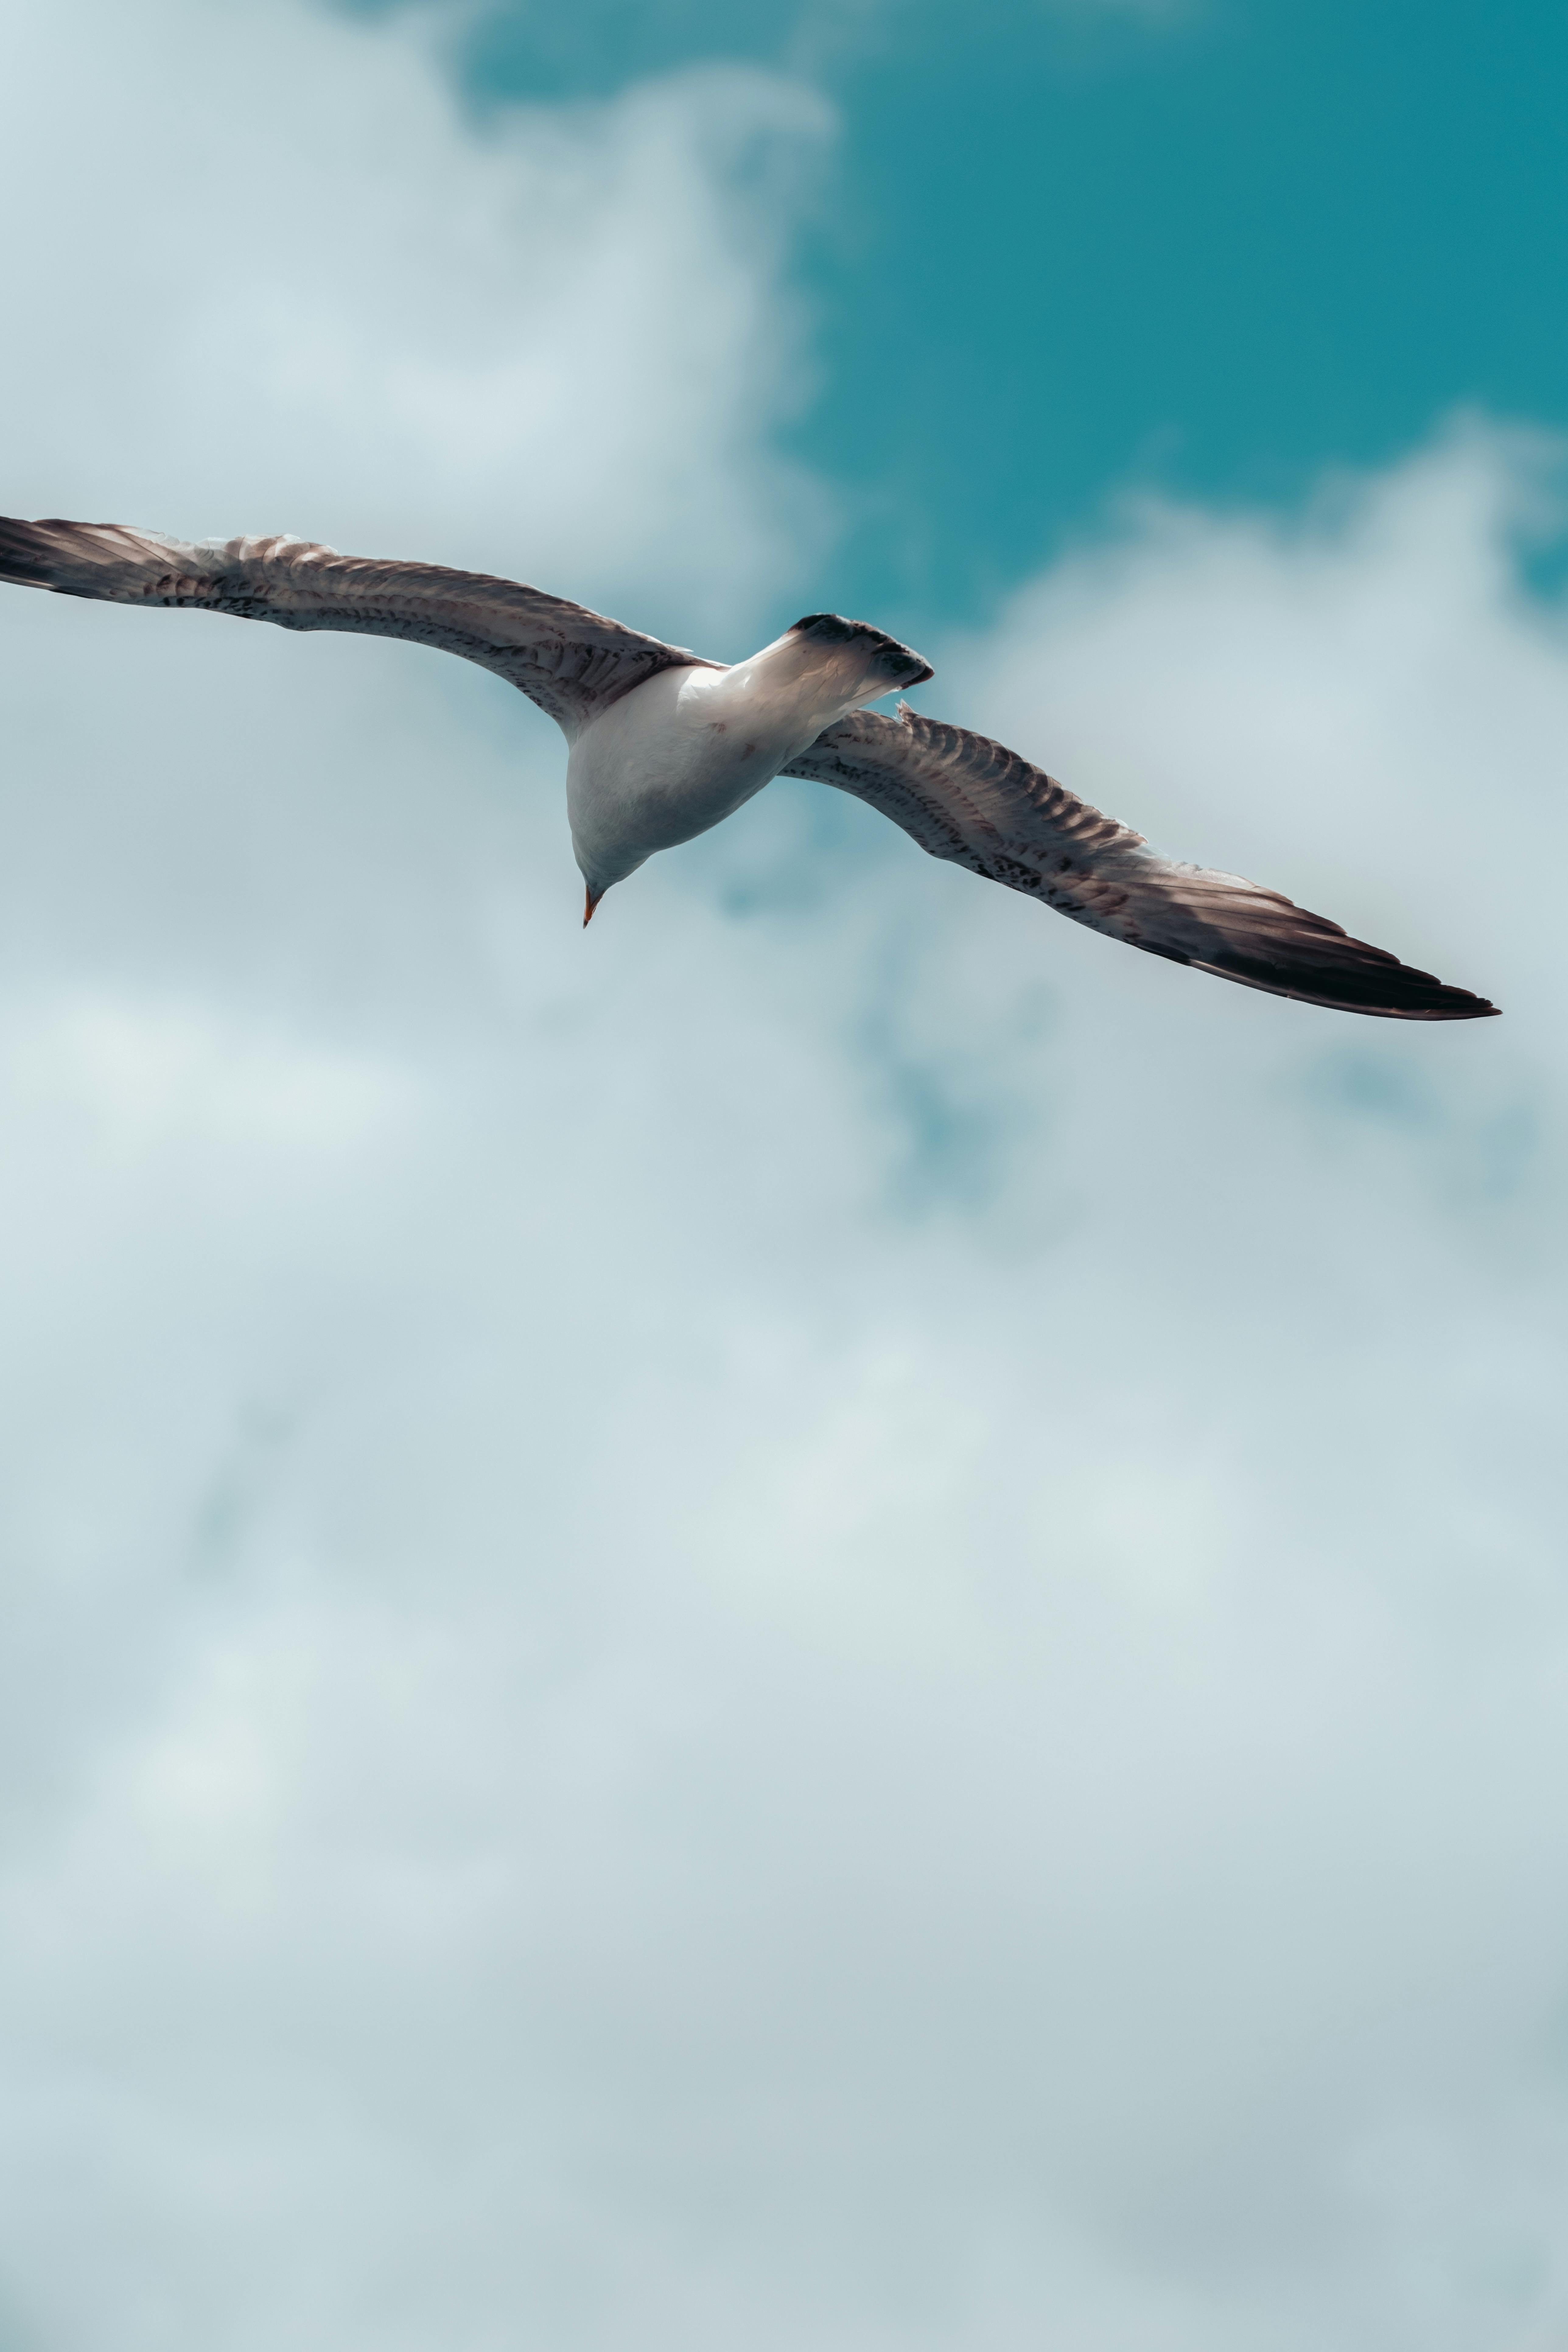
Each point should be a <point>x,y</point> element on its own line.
<point>1210,243</point>
<point>830,1616</point>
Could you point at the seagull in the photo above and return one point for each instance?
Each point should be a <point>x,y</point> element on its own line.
<point>663,743</point>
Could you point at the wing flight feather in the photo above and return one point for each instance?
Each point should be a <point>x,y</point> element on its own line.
<point>570,661</point>
<point>965,798</point>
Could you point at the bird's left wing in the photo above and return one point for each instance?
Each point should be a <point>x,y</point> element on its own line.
<point>965,798</point>
<point>570,661</point>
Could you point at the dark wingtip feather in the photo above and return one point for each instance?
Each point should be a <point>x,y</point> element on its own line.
<point>1375,984</point>
<point>27,556</point>
<point>95,560</point>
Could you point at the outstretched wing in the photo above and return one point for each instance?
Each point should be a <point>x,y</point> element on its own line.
<point>965,798</point>
<point>570,661</point>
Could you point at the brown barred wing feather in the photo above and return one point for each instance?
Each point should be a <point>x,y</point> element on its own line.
<point>573,663</point>
<point>965,798</point>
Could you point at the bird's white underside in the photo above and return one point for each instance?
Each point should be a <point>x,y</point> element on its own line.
<point>682,751</point>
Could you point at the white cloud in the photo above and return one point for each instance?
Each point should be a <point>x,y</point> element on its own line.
<point>145,1075</point>
<point>832,1616</point>
<point>263,267</point>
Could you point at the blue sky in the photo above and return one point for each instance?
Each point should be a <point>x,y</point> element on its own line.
<point>1212,247</point>
<point>827,1617</point>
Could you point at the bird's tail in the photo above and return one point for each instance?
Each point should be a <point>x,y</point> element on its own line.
<point>885,660</point>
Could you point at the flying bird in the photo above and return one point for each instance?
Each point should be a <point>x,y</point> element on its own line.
<point>663,743</point>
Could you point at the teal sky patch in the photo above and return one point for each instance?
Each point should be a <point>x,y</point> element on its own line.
<point>1068,249</point>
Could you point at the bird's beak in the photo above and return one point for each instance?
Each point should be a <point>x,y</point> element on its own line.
<point>592,901</point>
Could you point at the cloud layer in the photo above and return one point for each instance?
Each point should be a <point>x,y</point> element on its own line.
<point>833,1616</point>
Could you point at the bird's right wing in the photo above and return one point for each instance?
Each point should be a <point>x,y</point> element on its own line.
<point>965,798</point>
<point>571,662</point>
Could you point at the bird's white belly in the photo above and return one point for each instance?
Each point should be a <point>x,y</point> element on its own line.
<point>677,755</point>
